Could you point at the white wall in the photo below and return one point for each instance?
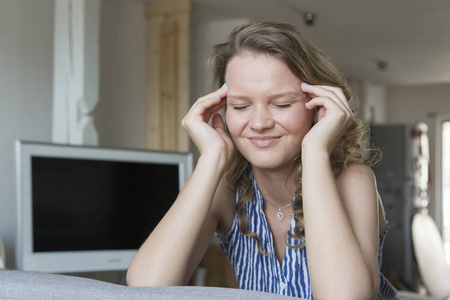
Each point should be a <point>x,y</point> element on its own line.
<point>26,86</point>
<point>409,104</point>
<point>26,74</point>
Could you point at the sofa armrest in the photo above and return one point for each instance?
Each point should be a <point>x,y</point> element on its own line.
<point>33,285</point>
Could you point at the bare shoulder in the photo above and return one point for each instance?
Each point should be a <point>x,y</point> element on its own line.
<point>223,207</point>
<point>357,187</point>
<point>356,172</point>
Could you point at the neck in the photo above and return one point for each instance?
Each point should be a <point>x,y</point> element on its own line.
<point>276,186</point>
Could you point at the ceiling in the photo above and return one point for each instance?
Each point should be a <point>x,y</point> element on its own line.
<point>411,37</point>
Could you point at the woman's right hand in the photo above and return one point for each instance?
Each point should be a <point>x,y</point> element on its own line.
<point>209,139</point>
<point>170,256</point>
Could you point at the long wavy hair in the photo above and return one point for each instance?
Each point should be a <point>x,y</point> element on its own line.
<point>309,64</point>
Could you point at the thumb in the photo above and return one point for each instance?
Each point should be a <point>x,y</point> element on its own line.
<point>217,123</point>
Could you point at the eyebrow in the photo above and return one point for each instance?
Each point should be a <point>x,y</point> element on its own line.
<point>271,97</point>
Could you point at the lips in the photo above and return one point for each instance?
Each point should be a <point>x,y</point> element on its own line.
<point>264,141</point>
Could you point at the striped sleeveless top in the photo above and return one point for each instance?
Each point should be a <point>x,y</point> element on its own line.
<point>258,272</point>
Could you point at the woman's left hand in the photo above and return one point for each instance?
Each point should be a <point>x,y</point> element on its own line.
<point>332,118</point>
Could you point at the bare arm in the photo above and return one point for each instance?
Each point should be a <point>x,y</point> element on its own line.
<point>341,214</point>
<point>173,250</point>
<point>341,224</point>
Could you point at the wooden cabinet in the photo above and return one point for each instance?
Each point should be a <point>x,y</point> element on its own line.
<point>168,33</point>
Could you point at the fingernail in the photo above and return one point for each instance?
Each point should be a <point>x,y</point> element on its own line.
<point>224,85</point>
<point>305,83</point>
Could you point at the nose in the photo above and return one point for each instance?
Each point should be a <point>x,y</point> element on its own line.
<point>261,119</point>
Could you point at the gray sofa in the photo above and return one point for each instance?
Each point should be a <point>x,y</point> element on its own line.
<point>40,286</point>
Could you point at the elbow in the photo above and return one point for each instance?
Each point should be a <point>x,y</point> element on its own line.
<point>362,290</point>
<point>356,289</point>
<point>131,282</point>
<point>139,277</point>
<point>136,277</point>
<point>375,286</point>
<point>364,286</point>
<point>369,295</point>
<point>359,294</point>
<point>137,280</point>
<point>133,279</point>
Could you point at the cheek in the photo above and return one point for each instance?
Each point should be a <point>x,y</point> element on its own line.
<point>232,122</point>
<point>299,117</point>
<point>300,122</point>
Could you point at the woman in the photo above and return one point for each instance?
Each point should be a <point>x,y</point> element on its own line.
<point>283,184</point>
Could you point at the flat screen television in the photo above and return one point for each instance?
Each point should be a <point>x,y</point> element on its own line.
<point>83,209</point>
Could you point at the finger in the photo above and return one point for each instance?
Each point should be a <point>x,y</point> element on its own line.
<point>222,92</point>
<point>315,91</point>
<point>217,123</point>
<point>322,90</point>
<point>214,109</point>
<point>201,111</point>
<point>328,106</point>
<point>209,104</point>
<point>320,113</point>
<point>338,91</point>
<point>323,103</point>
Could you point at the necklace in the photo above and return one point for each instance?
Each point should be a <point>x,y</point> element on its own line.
<point>280,214</point>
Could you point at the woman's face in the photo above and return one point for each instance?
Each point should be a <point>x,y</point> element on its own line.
<point>266,113</point>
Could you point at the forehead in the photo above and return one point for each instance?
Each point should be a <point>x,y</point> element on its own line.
<point>260,72</point>
<point>262,63</point>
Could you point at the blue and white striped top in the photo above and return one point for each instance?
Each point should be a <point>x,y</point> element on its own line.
<point>258,272</point>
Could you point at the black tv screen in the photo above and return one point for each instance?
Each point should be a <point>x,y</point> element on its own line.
<point>98,205</point>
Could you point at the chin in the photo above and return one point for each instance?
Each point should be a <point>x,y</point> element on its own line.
<point>271,164</point>
<point>269,160</point>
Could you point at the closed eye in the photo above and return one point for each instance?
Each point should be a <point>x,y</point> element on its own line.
<point>283,105</point>
<point>287,103</point>
<point>240,107</point>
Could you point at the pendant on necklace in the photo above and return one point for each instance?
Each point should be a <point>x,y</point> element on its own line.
<point>280,215</point>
